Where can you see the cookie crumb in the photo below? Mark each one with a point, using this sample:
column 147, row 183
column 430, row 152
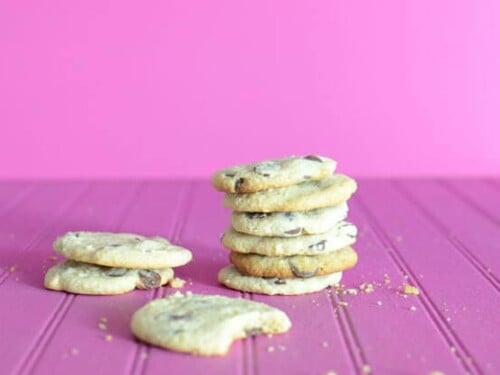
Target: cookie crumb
column 448, row 319
column 103, row 319
column 102, row 326
column 352, row 291
column 343, row 303
column 387, row 280
column 144, row 355
column 189, row 293
column 453, row 349
column 12, row 269
column 410, row 290
column 379, row 303
column 366, row 287
column 399, row 238
column 53, row 258
column 325, row 344
column 108, row 338
column 436, row 373
column 74, row 351
column 270, row 349
column 331, row 372
column 177, row 282
column 367, row 369
column 282, row 348
column 413, row 308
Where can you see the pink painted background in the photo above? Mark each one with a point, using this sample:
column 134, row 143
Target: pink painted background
column 179, row 88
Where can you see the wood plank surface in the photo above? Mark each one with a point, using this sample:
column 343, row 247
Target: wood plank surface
column 442, row 236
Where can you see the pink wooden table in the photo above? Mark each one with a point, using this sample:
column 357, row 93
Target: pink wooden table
column 442, row 236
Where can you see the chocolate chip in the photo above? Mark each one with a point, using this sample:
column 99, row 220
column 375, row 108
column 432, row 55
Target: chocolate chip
column 302, row 274
column 230, row 175
column 306, row 177
column 115, row 245
column 289, row 215
column 320, row 246
column 77, row 234
column 256, row 215
column 350, row 235
column 180, row 316
column 293, row 232
column 253, row 331
column 116, row 272
column 149, row 279
column 313, row 158
column 280, row 282
column 238, row 183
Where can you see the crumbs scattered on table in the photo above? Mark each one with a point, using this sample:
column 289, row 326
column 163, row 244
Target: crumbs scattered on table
column 144, row 355
column 453, row 349
column 413, row 308
column 108, row 338
column 177, row 282
column 103, row 319
column 410, row 290
column 102, row 326
column 331, row 372
column 325, row 344
column 12, row 268
column 343, row 303
column 387, row 280
column 367, row 369
column 436, row 373
column 379, row 303
column 282, row 348
column 366, row 288
column 53, row 258
column 270, row 349
column 74, row 351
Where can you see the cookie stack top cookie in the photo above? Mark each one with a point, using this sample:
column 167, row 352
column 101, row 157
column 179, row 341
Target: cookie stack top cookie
column 272, row 174
column 287, row 233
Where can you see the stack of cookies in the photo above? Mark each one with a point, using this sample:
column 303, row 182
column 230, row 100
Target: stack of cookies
column 288, row 234
column 113, row 263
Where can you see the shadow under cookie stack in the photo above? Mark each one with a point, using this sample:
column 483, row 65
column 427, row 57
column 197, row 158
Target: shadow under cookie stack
column 288, row 235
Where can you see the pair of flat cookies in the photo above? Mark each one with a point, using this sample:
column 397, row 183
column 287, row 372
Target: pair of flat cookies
column 287, row 233
column 113, row 263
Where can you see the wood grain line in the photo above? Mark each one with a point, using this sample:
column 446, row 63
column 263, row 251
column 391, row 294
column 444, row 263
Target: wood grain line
column 457, row 244
column 46, row 334
column 39, row 235
column 347, row 337
column 452, row 339
column 469, row 202
column 141, row 357
column 19, row 197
